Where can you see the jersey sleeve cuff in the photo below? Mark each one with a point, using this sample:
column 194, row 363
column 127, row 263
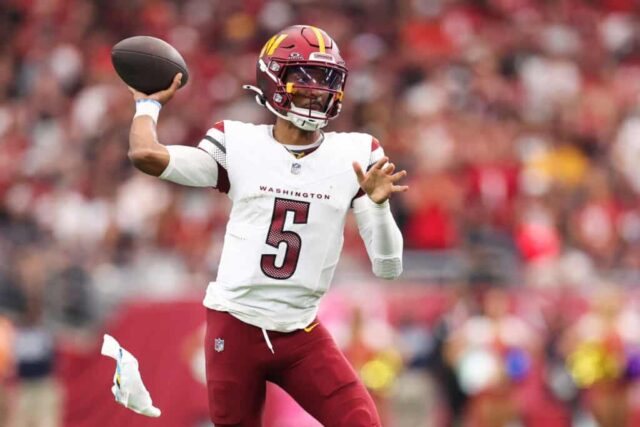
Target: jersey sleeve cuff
column 384, row 206
column 167, row 171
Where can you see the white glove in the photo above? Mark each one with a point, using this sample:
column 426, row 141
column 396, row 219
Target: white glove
column 128, row 388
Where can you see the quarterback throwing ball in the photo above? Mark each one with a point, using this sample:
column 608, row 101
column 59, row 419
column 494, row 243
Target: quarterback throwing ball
column 292, row 185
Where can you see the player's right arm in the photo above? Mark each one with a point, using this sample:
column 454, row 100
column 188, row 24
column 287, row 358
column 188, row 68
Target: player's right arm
column 145, row 152
column 197, row 167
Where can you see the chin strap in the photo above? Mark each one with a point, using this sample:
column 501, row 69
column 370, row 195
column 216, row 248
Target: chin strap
column 308, row 124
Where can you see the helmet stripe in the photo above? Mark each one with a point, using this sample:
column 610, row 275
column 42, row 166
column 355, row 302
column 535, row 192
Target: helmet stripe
column 267, row 45
column 320, row 38
column 276, row 43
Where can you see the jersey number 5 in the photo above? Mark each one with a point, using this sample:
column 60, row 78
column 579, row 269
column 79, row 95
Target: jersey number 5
column 291, row 239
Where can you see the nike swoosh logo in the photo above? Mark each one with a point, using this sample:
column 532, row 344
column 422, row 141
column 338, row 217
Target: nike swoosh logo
column 311, row 328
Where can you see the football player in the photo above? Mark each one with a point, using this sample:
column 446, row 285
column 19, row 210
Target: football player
column 291, row 185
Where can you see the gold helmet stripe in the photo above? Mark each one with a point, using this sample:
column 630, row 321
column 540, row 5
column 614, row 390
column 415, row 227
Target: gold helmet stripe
column 266, row 46
column 320, row 38
column 275, row 44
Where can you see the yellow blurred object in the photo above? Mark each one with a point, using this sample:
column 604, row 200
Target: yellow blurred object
column 565, row 164
column 591, row 362
column 240, row 26
column 379, row 373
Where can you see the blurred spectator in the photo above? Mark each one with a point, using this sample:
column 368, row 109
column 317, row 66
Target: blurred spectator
column 603, row 354
column 37, row 400
column 491, row 354
column 376, row 362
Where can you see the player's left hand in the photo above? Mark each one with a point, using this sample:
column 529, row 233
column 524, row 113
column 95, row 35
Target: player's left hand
column 379, row 182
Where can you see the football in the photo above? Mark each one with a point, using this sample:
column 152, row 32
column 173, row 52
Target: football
column 148, row 64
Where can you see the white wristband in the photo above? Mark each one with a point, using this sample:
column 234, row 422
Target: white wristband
column 148, row 107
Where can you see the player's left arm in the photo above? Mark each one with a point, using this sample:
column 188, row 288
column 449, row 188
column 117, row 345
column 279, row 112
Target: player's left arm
column 376, row 224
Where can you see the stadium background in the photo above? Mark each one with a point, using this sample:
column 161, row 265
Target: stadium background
column 519, row 124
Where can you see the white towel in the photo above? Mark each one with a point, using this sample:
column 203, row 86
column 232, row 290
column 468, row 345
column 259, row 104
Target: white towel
column 128, row 388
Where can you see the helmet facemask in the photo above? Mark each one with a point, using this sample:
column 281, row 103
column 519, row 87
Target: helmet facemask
column 314, row 93
column 307, row 95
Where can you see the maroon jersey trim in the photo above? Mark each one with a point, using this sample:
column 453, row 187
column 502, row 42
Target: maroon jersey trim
column 223, row 180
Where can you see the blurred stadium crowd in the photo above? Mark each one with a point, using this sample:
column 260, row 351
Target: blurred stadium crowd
column 519, row 124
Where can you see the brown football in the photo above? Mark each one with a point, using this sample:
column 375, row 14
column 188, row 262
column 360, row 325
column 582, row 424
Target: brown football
column 148, row 64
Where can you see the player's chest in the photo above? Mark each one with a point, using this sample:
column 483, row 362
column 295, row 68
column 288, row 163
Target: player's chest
column 318, row 177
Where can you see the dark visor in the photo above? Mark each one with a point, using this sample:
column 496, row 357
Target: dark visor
column 314, row 76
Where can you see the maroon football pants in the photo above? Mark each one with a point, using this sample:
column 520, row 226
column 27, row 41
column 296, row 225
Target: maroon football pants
column 307, row 365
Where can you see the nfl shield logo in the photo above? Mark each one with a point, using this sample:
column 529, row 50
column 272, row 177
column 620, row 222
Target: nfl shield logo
column 218, row 345
column 295, row 168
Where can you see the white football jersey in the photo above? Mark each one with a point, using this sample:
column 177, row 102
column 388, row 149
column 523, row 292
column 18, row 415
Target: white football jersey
column 285, row 231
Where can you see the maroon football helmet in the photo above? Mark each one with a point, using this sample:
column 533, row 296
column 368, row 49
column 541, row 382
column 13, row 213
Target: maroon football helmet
column 301, row 60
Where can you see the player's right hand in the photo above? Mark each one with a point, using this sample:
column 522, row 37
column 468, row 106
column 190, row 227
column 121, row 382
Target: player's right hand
column 163, row 96
column 379, row 182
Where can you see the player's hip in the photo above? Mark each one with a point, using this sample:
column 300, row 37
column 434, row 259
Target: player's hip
column 231, row 340
column 278, row 312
